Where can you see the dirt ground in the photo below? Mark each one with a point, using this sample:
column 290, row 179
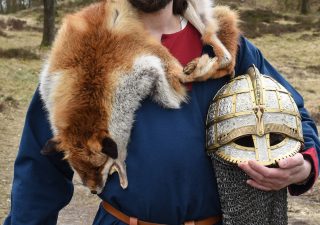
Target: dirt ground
column 295, row 55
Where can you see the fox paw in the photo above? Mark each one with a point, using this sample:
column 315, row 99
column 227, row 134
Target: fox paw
column 204, row 68
column 201, row 68
column 190, row 67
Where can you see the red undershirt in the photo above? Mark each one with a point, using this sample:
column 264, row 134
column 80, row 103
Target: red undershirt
column 185, row 45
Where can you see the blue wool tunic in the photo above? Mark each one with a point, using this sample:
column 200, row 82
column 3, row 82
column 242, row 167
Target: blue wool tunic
column 171, row 179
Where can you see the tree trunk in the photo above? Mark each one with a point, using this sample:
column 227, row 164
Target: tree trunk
column 48, row 22
column 305, row 6
column 1, row 7
column 8, row 4
column 12, row 6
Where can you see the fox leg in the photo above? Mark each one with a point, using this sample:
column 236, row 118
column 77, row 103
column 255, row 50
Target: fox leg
column 169, row 90
column 222, row 34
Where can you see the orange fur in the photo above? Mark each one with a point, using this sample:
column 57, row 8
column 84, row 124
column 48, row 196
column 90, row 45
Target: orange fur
column 93, row 50
column 228, row 32
column 87, row 51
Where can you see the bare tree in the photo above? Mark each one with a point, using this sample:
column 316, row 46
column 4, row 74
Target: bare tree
column 305, row 6
column 1, row 7
column 48, row 22
column 11, row 6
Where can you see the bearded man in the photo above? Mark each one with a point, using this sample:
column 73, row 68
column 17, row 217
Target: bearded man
column 171, row 178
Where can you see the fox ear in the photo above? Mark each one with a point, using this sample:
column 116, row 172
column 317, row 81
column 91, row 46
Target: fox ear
column 109, row 147
column 50, row 147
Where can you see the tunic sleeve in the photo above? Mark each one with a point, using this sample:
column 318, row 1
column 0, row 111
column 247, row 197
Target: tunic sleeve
column 249, row 54
column 42, row 184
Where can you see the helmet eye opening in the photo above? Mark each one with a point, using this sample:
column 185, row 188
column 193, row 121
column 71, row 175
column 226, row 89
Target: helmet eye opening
column 245, row 141
column 276, row 138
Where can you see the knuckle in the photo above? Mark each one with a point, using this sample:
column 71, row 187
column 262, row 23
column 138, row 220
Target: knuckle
column 298, row 159
column 268, row 174
column 260, row 179
column 299, row 156
column 286, row 177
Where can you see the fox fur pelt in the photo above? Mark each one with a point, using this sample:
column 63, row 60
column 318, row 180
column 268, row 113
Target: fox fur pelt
column 102, row 65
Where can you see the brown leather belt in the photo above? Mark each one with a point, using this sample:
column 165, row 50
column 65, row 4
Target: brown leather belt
column 134, row 221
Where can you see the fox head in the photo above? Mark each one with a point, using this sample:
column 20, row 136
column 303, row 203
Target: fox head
column 87, row 158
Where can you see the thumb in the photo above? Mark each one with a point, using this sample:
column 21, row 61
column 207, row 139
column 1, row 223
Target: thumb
column 294, row 161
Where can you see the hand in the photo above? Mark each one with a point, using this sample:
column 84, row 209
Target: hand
column 291, row 170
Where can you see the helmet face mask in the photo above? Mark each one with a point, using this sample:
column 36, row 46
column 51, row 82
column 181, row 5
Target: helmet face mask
column 253, row 117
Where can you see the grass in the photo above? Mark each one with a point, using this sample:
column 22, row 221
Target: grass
column 19, row 75
column 21, row 39
column 18, row 78
column 272, row 5
column 297, row 50
column 296, row 56
column 18, row 53
column 259, row 22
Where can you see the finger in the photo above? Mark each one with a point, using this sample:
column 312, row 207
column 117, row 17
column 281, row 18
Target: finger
column 265, row 171
column 250, row 172
column 274, row 175
column 294, row 161
column 262, row 174
column 257, row 185
column 268, row 185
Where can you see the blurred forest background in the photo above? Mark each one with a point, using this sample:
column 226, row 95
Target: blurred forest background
column 287, row 32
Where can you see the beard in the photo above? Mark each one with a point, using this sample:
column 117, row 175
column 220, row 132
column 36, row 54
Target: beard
column 149, row 6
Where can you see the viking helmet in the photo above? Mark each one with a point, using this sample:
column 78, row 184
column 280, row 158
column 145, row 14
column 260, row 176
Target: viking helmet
column 253, row 117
